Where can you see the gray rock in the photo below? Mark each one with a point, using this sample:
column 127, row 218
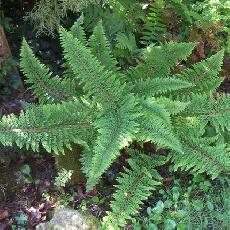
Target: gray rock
column 67, row 219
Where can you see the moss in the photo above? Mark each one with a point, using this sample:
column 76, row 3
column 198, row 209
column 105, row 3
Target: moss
column 91, row 220
column 71, row 161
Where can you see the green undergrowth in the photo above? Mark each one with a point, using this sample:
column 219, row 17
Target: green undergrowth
column 185, row 205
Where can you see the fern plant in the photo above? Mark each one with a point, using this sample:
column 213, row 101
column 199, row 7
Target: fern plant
column 126, row 50
column 104, row 108
column 134, row 186
column 155, row 28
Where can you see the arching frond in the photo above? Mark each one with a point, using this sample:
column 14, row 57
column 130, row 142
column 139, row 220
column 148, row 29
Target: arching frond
column 46, row 88
column 53, row 126
column 204, row 75
column 101, row 49
column 117, row 105
column 159, row 86
column 158, row 61
column 134, row 186
column 156, row 126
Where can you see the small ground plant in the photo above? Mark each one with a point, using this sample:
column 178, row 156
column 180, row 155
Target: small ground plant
column 193, row 204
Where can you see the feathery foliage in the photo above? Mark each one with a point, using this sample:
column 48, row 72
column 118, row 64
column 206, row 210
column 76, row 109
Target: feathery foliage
column 51, row 88
column 113, row 108
column 158, row 61
column 134, row 186
column 46, row 15
column 46, row 125
column 101, row 49
column 154, row 29
column 203, row 75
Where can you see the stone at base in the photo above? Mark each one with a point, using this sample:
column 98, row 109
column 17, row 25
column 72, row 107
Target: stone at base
column 67, row 219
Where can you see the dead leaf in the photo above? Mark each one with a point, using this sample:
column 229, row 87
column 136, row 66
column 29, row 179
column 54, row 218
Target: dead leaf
column 4, row 215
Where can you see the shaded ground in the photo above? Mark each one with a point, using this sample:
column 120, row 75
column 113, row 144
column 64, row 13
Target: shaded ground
column 28, row 199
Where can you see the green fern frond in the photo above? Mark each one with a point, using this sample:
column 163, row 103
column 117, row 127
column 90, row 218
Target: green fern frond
column 172, row 106
column 93, row 14
column 124, row 41
column 101, row 49
column 156, row 126
column 155, row 29
column 158, row 86
column 164, row 58
column 202, row 155
column 116, row 130
column 158, row 61
column 53, row 126
column 46, row 88
column 100, row 83
column 204, row 75
column 126, row 50
column 134, row 186
column 77, row 30
column 210, row 109
column 116, row 124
